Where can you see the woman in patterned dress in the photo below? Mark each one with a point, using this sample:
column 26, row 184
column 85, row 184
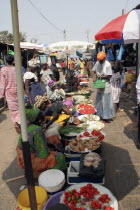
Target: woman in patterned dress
column 42, row 159
column 8, row 88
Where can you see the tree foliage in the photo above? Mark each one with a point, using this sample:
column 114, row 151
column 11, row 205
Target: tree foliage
column 8, row 38
column 34, row 40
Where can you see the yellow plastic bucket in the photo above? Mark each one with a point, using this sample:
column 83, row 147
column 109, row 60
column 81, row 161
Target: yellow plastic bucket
column 41, row 197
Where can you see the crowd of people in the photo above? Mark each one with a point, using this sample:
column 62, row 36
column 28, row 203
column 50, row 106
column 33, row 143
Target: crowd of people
column 47, row 107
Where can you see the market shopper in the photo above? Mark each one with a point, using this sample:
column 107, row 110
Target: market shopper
column 46, row 76
column 104, row 100
column 41, row 158
column 71, row 81
column 34, row 61
column 82, row 66
column 8, row 88
column 32, row 84
column 63, row 64
column 116, row 86
column 71, row 64
column 89, row 67
column 55, row 71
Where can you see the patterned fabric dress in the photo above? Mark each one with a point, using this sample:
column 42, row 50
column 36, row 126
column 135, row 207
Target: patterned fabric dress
column 8, row 89
column 116, row 87
column 42, row 159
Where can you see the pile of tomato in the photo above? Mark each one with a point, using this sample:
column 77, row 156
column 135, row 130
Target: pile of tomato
column 93, row 133
column 108, row 208
column 89, row 191
column 98, row 134
column 72, row 198
column 86, row 194
column 86, row 109
column 104, row 198
column 95, row 204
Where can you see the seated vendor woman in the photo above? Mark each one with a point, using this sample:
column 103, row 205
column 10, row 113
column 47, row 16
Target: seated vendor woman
column 52, row 112
column 42, row 159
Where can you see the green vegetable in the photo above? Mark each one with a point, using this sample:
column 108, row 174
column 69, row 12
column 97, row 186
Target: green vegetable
column 69, row 199
column 85, row 125
column 70, row 129
column 84, row 119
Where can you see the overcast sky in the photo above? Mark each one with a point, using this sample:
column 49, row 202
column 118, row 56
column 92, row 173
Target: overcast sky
column 78, row 17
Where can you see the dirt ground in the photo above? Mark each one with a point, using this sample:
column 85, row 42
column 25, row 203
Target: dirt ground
column 118, row 149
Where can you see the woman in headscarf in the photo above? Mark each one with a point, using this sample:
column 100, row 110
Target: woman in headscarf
column 42, row 159
column 104, row 100
column 32, row 84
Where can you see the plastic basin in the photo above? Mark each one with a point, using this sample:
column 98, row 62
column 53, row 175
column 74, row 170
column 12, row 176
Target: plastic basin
column 23, row 198
column 54, row 199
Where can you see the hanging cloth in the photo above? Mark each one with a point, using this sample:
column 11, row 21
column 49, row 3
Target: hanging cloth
column 121, row 52
column 110, row 56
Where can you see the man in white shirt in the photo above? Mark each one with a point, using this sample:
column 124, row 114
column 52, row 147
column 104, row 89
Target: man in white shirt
column 104, row 101
column 34, row 61
column 138, row 101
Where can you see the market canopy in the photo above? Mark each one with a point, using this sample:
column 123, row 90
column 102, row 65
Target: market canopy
column 125, row 28
column 70, row 45
column 29, row 45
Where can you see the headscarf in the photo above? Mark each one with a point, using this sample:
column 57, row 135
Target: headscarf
column 31, row 114
column 40, row 99
column 101, row 56
column 50, row 82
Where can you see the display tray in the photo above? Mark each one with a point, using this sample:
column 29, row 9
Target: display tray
column 69, row 151
column 86, row 117
column 71, row 134
column 113, row 202
column 92, row 125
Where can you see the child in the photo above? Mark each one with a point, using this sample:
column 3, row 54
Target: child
column 116, row 86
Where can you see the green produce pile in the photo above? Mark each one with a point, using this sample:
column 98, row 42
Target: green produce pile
column 70, row 129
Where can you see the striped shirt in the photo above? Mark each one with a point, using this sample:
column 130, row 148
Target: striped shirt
column 8, row 87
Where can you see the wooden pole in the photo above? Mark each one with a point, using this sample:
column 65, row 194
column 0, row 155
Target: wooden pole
column 23, row 121
column 122, row 11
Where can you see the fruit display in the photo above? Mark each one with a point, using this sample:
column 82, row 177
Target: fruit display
column 84, row 145
column 86, row 109
column 87, row 196
column 94, row 133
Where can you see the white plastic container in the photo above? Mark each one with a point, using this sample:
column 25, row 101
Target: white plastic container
column 52, row 180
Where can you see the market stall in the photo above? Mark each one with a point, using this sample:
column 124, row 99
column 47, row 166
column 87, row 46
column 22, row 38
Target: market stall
column 81, row 135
